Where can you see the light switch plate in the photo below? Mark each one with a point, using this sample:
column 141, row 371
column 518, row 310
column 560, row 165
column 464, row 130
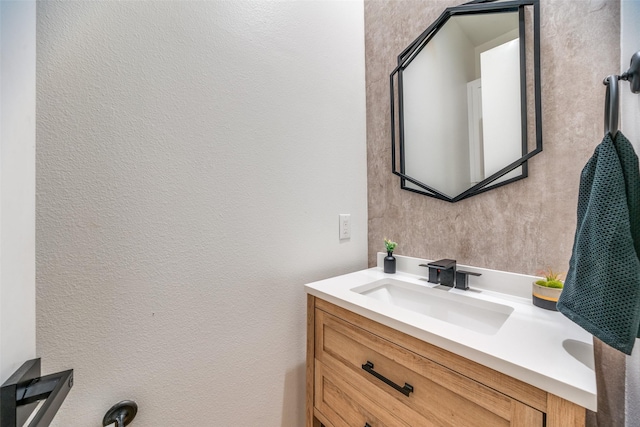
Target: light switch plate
column 345, row 226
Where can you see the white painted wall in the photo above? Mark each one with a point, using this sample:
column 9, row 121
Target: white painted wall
column 501, row 39
column 435, row 112
column 501, row 108
column 629, row 44
column 630, row 126
column 193, row 158
column 17, row 184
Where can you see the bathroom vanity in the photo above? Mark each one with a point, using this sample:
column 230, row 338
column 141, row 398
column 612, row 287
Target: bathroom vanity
column 395, row 350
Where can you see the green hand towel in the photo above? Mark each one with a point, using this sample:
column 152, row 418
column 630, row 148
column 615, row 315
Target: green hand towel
column 602, row 289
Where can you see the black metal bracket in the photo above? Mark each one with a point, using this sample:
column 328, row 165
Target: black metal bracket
column 21, row 394
column 632, row 75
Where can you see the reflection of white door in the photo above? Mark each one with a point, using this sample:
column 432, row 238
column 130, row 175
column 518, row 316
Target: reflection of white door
column 17, row 184
column 501, row 118
column 476, row 149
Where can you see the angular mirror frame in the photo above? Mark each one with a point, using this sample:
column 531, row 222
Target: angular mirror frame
column 405, row 58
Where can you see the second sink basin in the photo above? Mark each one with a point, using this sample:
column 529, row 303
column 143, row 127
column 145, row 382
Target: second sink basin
column 477, row 315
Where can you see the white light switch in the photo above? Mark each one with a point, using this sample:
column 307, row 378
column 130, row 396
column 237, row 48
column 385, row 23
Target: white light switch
column 345, row 226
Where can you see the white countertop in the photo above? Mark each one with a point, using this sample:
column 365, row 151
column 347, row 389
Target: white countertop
column 528, row 346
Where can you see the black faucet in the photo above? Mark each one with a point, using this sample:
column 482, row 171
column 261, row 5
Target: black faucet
column 444, row 272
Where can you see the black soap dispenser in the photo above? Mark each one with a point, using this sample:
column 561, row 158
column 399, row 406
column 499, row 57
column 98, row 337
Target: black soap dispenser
column 390, row 263
column 390, row 260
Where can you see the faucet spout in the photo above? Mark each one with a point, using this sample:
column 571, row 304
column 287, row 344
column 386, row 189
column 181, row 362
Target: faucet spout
column 442, row 271
column 445, row 272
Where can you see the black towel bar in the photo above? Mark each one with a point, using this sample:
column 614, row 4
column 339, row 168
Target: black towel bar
column 612, row 102
column 611, row 105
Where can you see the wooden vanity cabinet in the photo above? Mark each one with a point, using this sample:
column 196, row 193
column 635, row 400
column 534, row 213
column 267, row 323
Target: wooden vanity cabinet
column 362, row 373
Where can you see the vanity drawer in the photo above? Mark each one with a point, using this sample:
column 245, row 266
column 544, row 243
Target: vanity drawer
column 439, row 395
column 341, row 405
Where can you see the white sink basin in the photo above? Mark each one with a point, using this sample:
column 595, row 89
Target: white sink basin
column 582, row 351
column 474, row 314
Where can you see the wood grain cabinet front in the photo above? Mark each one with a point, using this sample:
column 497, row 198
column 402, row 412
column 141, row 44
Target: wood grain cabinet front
column 360, row 372
column 340, row 404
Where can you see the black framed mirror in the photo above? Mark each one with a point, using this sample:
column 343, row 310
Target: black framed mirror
column 465, row 100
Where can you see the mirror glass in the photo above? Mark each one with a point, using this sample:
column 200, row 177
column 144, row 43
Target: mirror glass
column 467, row 93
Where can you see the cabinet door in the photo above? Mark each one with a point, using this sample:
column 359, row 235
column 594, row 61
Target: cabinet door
column 440, row 397
column 525, row 416
column 342, row 405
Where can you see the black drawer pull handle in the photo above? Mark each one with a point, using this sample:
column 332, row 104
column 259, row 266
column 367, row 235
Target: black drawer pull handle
column 366, row 425
column 408, row 388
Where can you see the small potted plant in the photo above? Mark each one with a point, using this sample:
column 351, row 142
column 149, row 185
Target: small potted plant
column 390, row 260
column 545, row 292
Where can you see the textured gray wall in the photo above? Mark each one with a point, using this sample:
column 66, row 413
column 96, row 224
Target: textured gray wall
column 524, row 226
